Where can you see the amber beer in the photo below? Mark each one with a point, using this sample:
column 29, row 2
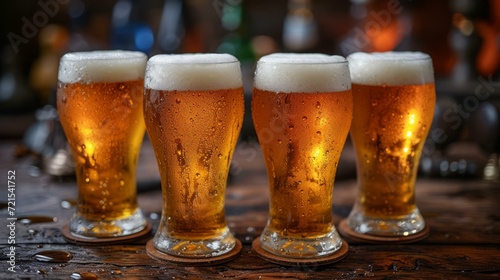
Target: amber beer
column 302, row 110
column 394, row 99
column 99, row 101
column 194, row 111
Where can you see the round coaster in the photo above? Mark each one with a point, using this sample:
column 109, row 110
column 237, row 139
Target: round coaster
column 86, row 240
column 352, row 235
column 158, row 255
column 300, row 262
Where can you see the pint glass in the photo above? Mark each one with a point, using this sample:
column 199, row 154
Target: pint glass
column 193, row 105
column 394, row 101
column 99, row 101
column 302, row 110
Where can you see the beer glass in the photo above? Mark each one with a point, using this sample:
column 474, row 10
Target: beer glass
column 394, row 99
column 193, row 105
column 99, row 101
column 302, row 110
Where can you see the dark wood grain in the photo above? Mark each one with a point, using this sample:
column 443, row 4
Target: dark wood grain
column 463, row 215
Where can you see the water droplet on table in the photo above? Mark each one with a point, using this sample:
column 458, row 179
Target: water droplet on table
column 56, row 256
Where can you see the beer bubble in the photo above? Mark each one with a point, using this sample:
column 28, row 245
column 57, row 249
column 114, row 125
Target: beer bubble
column 122, row 182
column 87, row 180
column 291, row 127
column 304, row 118
column 318, row 133
column 198, row 175
column 318, row 105
column 279, row 141
column 178, row 100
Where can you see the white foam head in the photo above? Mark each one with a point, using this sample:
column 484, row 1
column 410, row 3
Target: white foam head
column 391, row 68
column 102, row 66
column 193, row 72
column 292, row 72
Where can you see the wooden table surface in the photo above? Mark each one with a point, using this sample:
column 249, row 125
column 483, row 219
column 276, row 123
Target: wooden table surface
column 463, row 215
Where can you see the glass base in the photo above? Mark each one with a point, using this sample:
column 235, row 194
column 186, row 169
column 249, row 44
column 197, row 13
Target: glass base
column 195, row 248
column 402, row 226
column 108, row 228
column 278, row 244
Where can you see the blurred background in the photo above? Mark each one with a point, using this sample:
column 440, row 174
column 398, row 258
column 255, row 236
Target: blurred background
column 462, row 37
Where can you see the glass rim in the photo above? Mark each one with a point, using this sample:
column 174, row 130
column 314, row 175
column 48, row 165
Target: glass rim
column 302, row 59
column 397, row 56
column 103, row 55
column 157, row 59
column 304, row 62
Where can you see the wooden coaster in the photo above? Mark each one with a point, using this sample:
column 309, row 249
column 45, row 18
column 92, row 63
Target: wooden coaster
column 199, row 261
column 86, row 240
column 300, row 262
column 354, row 236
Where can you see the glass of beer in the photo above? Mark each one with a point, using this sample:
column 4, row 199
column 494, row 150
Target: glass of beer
column 394, row 99
column 193, row 107
column 302, row 110
column 99, row 101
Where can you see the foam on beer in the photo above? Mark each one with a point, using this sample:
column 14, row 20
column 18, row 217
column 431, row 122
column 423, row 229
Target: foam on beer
column 102, row 66
column 292, row 72
column 207, row 71
column 391, row 68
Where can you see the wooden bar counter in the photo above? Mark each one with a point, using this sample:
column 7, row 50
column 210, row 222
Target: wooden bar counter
column 463, row 215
